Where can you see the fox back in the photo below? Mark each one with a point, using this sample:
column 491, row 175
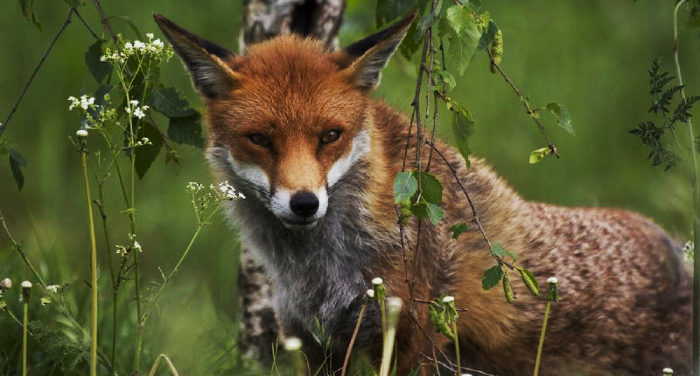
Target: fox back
column 296, row 129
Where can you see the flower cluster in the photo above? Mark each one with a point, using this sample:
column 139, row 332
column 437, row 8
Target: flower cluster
column 228, row 192
column 83, row 102
column 133, row 109
column 154, row 48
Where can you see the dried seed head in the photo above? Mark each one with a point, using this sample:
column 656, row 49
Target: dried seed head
column 667, row 371
column 377, row 281
column 448, row 299
column 370, row 293
column 26, row 285
column 81, row 133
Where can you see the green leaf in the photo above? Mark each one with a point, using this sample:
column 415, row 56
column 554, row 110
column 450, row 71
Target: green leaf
column 458, row 230
column 146, row 154
column 536, row 156
column 169, row 102
column 27, row 7
column 431, row 189
column 411, row 42
column 530, row 281
column 186, row 130
column 498, row 250
column 562, row 115
column 473, row 4
column 693, row 21
column 445, row 78
column 492, row 277
column 420, row 210
column 405, row 186
column 462, row 34
column 97, row 68
column 462, row 128
column 435, row 213
column 16, row 164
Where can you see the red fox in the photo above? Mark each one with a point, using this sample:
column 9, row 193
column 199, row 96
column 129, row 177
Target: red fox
column 296, row 129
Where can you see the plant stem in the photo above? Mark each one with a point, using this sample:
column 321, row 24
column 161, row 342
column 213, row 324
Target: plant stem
column 539, row 347
column 459, row 363
column 393, row 309
column 171, row 367
column 20, row 249
column 352, row 339
column 696, row 201
column 25, row 330
column 93, row 268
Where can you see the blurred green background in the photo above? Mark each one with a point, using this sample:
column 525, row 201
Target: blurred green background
column 590, row 56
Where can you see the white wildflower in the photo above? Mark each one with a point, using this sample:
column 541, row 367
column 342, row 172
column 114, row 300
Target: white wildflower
column 448, row 299
column 137, row 246
column 103, row 58
column 292, row 344
column 45, row 301
column 26, row 285
column 134, row 102
column 370, row 293
column 149, row 35
column 194, row 187
column 553, row 280
column 158, row 44
column 128, row 46
column 377, row 281
column 228, row 191
column 81, row 133
column 53, row 288
column 138, row 112
column 121, row 250
column 139, row 45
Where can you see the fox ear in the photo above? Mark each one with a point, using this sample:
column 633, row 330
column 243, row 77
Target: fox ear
column 372, row 53
column 205, row 60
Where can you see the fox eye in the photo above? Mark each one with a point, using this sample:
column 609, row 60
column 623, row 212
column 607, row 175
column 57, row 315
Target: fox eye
column 330, row 136
column 260, row 140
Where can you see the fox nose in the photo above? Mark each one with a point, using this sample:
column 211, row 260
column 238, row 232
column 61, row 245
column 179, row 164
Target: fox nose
column 304, row 204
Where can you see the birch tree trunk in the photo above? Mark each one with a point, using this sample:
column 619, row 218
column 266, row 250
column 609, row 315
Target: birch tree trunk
column 265, row 19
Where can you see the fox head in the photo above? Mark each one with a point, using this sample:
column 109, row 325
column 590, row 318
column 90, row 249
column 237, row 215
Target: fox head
column 287, row 120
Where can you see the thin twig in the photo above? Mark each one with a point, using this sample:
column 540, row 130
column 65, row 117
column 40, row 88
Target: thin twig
column 105, row 21
column 352, row 339
column 525, row 102
column 87, row 26
column 464, row 190
column 36, row 70
column 452, row 368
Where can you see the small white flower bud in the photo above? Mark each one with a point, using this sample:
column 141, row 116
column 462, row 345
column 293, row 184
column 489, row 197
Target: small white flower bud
column 26, row 285
column 667, row 371
column 81, row 133
column 53, row 288
column 552, row 280
column 377, row 281
column 448, row 299
column 292, row 344
column 6, row 284
column 370, row 293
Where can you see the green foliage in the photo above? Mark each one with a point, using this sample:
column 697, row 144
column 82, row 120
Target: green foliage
column 389, row 10
column 561, row 113
column 462, row 128
column 529, row 281
column 492, row 277
column 423, row 204
column 653, row 136
column 443, row 313
column 536, row 156
column 405, row 186
column 497, row 250
column 27, row 7
column 146, row 155
column 462, row 35
column 458, row 230
column 99, row 69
